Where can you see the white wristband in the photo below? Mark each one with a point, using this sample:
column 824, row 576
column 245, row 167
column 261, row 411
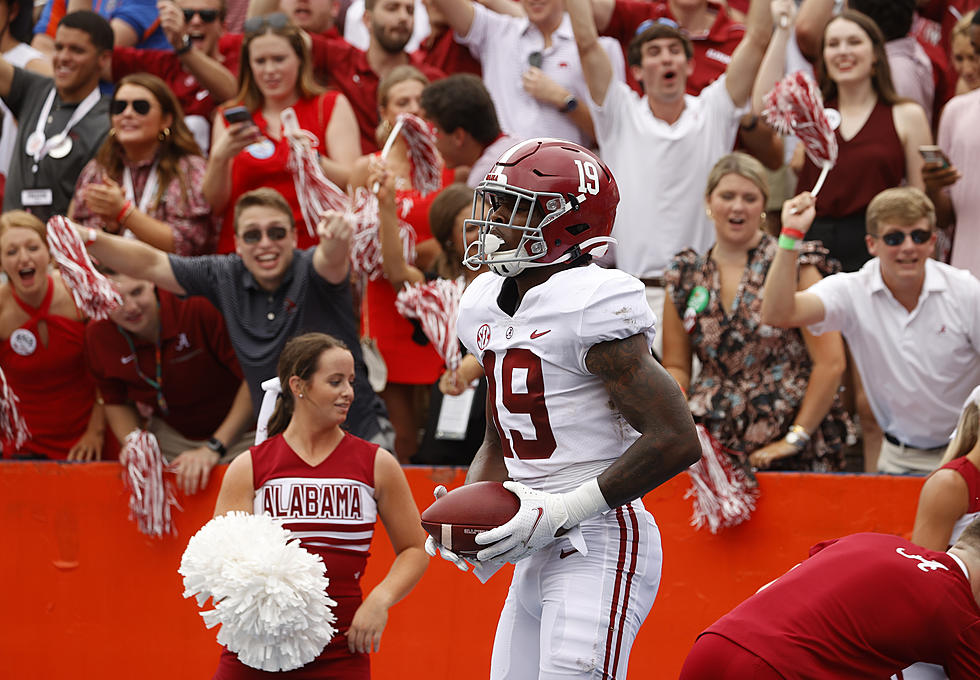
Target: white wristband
column 584, row 502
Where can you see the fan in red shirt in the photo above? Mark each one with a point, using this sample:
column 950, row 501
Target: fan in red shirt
column 863, row 606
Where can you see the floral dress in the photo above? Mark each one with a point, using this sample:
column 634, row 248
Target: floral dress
column 753, row 376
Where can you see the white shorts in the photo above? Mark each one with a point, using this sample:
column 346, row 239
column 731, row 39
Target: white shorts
column 569, row 615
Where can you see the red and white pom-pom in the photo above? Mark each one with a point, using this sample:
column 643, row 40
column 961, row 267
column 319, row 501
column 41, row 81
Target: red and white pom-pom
column 365, row 250
column 422, row 153
column 795, row 107
column 723, row 495
column 150, row 495
column 93, row 293
column 436, row 305
column 315, row 192
column 13, row 428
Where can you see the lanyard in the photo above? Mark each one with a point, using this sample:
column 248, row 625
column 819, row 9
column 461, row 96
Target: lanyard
column 149, row 189
column 42, row 145
column 155, row 384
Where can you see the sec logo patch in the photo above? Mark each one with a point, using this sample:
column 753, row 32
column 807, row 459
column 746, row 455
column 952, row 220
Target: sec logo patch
column 483, row 336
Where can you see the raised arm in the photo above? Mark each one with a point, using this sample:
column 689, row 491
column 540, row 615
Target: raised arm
column 209, row 72
column 332, row 257
column 596, row 66
column 774, row 62
column 396, row 269
column 398, row 513
column 132, row 258
column 741, row 71
column 458, row 14
column 782, row 304
column 811, row 21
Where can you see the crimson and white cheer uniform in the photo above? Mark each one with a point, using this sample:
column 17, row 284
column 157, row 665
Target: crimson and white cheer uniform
column 567, row 614
column 332, row 509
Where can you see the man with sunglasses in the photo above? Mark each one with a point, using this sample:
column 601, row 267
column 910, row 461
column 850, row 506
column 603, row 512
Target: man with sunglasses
column 912, row 323
column 201, row 69
column 62, row 121
column 268, row 292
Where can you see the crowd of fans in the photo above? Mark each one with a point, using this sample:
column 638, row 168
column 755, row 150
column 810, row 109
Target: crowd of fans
column 163, row 128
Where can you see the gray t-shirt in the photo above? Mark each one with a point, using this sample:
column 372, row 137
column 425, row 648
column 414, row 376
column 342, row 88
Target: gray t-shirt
column 260, row 322
column 28, row 91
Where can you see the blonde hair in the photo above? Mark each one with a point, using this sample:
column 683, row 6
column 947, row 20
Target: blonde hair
column 397, row 75
column 962, row 27
column 966, row 434
column 743, row 165
column 902, row 205
column 299, row 357
column 13, row 219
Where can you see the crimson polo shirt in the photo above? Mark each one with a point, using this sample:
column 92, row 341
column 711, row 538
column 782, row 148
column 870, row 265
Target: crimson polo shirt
column 194, row 99
column 712, row 51
column 201, row 374
column 444, row 53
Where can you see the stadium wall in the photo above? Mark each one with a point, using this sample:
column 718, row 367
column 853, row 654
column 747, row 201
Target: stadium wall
column 85, row 595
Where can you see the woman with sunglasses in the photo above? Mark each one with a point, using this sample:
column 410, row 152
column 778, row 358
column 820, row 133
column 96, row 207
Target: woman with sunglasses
column 146, row 179
column 308, row 452
column 276, row 74
column 413, row 364
column 767, row 395
column 42, row 337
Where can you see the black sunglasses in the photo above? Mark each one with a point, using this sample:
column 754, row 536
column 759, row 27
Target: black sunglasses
column 207, row 15
column 253, row 236
column 275, row 21
column 897, row 238
column 140, row 106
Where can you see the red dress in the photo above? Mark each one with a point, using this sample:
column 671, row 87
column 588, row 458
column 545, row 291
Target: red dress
column 408, row 361
column 249, row 170
column 55, row 389
column 333, row 505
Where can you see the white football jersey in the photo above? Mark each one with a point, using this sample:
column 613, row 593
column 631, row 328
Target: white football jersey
column 557, row 424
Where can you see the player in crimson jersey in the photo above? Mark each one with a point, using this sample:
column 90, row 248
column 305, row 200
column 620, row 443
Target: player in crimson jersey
column 579, row 415
column 329, row 487
column 863, row 606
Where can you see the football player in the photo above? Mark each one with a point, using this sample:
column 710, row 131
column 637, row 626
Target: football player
column 581, row 420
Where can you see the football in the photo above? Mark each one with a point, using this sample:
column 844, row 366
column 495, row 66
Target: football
column 455, row 519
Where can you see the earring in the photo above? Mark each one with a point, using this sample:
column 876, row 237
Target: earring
column 763, row 216
column 708, row 212
column 163, row 134
column 300, row 395
column 112, row 132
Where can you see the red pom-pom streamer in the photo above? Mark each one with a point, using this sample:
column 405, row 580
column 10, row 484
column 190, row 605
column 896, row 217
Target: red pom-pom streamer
column 13, row 428
column 422, row 153
column 150, row 495
column 795, row 107
column 315, row 192
column 365, row 243
column 93, row 293
column 436, row 305
column 723, row 494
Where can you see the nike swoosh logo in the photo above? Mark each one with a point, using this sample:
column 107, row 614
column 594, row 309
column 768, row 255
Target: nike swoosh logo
column 535, row 525
column 538, row 334
column 565, row 553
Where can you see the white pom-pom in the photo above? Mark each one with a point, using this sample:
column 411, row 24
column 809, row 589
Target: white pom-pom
column 723, row 495
column 269, row 593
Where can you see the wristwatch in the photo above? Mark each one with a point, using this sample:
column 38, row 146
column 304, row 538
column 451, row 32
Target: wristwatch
column 571, row 103
column 185, row 45
column 797, row 437
column 215, row 445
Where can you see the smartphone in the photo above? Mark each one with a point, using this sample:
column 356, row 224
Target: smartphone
column 933, row 154
column 237, row 114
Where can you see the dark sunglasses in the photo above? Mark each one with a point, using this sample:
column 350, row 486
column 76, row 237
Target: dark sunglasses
column 897, row 238
column 275, row 21
column 140, row 106
column 253, row 236
column 207, row 15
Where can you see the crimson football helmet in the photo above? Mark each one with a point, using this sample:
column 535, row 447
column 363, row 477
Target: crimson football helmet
column 562, row 201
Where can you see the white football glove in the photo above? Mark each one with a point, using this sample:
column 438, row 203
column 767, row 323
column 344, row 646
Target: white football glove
column 538, row 520
column 434, row 547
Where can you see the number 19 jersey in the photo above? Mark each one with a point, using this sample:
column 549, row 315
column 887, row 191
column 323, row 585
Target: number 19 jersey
column 557, row 424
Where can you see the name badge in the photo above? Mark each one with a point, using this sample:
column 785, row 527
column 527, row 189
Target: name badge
column 32, row 197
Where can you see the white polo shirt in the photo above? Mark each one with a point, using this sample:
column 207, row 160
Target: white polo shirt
column 661, row 170
column 503, row 45
column 917, row 367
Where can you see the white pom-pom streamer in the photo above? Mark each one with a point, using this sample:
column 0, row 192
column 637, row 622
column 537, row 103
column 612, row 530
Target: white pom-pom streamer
column 150, row 495
column 365, row 252
column 93, row 293
column 723, row 496
column 13, row 427
column 314, row 191
column 269, row 593
column 436, row 305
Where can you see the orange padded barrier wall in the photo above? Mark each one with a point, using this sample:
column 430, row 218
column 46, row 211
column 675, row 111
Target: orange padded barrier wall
column 86, row 596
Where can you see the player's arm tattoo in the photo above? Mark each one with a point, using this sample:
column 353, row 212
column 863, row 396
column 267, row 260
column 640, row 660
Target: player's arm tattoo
column 488, row 463
column 650, row 400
